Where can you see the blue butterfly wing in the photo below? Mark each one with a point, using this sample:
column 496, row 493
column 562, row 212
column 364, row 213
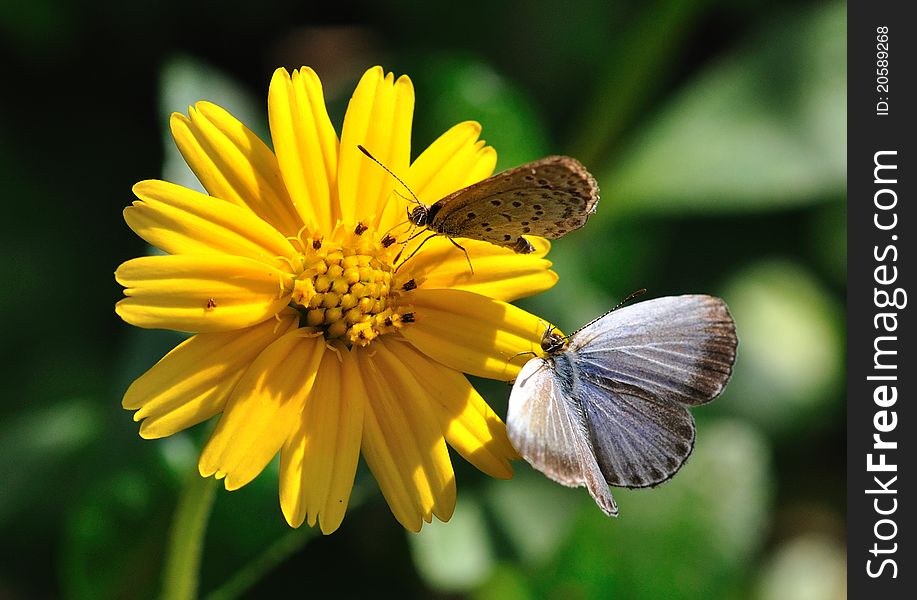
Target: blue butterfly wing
column 611, row 408
column 636, row 369
column 639, row 440
column 676, row 348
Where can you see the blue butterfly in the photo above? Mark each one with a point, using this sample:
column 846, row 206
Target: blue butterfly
column 607, row 406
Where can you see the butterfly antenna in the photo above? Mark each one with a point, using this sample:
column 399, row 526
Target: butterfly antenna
column 402, row 196
column 630, row 296
column 413, row 198
column 627, row 299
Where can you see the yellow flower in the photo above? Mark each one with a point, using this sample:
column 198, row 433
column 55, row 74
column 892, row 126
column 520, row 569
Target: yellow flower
column 307, row 338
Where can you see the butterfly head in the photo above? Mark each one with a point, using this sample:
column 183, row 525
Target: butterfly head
column 552, row 342
column 419, row 215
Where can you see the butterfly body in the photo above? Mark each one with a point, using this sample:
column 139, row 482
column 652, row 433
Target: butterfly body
column 548, row 198
column 607, row 405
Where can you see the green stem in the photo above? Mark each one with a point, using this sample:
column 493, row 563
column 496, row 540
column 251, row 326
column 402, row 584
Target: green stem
column 186, row 539
column 254, row 571
column 287, row 545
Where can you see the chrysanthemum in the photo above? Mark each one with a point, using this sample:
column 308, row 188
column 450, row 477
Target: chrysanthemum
column 307, row 338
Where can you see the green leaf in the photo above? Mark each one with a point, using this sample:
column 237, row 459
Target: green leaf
column 39, row 446
column 113, row 539
column 762, row 129
column 826, row 239
column 508, row 582
column 692, row 537
column 808, row 567
column 455, row 556
column 789, row 366
column 457, row 88
column 534, row 513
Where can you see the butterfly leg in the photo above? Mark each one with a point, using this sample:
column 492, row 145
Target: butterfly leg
column 456, row 244
column 433, row 235
column 523, row 246
column 523, row 353
column 394, row 227
column 404, row 244
column 411, row 236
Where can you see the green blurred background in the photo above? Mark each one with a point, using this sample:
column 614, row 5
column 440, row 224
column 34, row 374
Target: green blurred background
column 717, row 131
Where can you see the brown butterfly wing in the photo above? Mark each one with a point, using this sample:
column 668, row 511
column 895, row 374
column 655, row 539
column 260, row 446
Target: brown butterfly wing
column 548, row 198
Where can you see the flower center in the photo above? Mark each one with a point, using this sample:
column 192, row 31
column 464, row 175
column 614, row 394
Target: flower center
column 345, row 288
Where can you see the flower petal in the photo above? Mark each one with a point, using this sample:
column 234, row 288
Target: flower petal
column 403, row 444
column 470, row 426
column 191, row 383
column 306, row 144
column 232, row 163
column 200, row 293
column 379, row 118
column 453, row 161
column 181, row 221
column 472, row 333
column 498, row 272
column 263, row 409
column 319, row 460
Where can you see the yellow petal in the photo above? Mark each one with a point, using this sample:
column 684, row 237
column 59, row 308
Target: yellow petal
column 263, row 409
column 498, row 272
column 232, row 163
column 470, row 426
column 181, row 221
column 472, row 333
column 200, row 293
column 306, row 145
column 379, row 118
column 319, row 460
column 191, row 383
column 454, row 161
column 403, row 444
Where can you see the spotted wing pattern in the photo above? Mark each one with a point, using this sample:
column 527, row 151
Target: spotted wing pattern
column 548, row 198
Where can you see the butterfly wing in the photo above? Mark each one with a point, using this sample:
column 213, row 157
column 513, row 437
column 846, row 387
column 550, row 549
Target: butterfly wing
column 548, row 198
column 548, row 428
column 678, row 348
column 635, row 370
column 639, row 440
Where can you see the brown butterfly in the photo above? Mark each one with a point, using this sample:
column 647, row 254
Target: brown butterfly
column 549, row 198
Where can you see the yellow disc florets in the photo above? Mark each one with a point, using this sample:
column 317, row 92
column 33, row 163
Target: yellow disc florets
column 346, row 288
